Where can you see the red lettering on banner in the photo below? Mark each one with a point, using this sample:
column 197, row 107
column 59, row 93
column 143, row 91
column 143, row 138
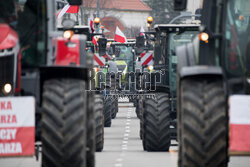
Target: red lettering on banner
column 14, row 119
column 9, row 106
column 3, row 119
column 2, row 105
column 8, row 119
column 5, row 105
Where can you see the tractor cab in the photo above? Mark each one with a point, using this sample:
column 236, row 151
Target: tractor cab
column 168, row 38
column 123, row 55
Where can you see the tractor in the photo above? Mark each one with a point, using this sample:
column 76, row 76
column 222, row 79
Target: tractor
column 123, row 56
column 10, row 53
column 56, row 71
column 158, row 102
column 144, row 51
column 122, row 67
column 214, row 66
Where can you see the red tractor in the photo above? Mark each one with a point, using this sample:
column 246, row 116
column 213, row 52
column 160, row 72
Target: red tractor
column 56, row 70
column 10, row 59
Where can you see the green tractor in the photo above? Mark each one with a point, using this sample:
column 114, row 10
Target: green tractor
column 210, row 69
column 158, row 103
column 124, row 58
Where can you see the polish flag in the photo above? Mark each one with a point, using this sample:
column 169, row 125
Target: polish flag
column 91, row 23
column 68, row 9
column 94, row 40
column 142, row 32
column 239, row 123
column 119, row 36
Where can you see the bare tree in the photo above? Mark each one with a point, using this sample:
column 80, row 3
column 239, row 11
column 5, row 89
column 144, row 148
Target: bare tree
column 162, row 10
column 89, row 5
column 132, row 32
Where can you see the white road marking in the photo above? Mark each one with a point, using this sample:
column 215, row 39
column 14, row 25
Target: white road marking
column 118, row 165
column 119, row 159
column 124, row 145
column 127, row 130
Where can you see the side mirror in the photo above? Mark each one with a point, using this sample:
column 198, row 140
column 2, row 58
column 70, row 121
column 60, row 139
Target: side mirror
column 140, row 42
column 180, row 5
column 75, row 2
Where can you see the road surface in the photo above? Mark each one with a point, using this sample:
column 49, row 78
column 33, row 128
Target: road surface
column 123, row 148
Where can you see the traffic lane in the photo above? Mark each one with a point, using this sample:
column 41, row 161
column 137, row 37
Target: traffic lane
column 123, row 147
column 20, row 162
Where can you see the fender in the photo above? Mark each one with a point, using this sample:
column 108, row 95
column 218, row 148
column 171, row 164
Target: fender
column 51, row 72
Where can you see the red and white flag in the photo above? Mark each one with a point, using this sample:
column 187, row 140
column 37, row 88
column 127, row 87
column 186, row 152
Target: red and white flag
column 68, row 9
column 119, row 36
column 94, row 40
column 91, row 23
column 239, row 123
column 142, row 31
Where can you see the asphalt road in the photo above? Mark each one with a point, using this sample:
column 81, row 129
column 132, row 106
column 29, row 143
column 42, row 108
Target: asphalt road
column 123, row 148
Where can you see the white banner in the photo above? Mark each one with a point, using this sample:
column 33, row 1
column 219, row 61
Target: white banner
column 239, row 109
column 17, row 112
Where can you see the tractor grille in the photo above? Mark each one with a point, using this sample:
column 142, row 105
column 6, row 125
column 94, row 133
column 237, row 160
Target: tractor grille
column 6, row 71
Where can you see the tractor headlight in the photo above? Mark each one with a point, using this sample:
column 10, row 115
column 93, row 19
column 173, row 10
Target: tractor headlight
column 7, row 88
column 150, row 67
column 68, row 34
column 106, row 66
column 96, row 69
column 204, row 37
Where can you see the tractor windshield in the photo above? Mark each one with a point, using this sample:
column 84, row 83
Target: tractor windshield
column 28, row 19
column 237, row 35
column 175, row 40
column 125, row 53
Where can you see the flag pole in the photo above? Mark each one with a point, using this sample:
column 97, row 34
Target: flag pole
column 98, row 13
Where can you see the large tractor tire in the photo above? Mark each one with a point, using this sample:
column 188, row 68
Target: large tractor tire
column 116, row 105
column 91, row 131
column 141, row 109
column 64, row 121
column 99, row 118
column 156, row 122
column 107, row 111
column 204, row 123
column 114, row 108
